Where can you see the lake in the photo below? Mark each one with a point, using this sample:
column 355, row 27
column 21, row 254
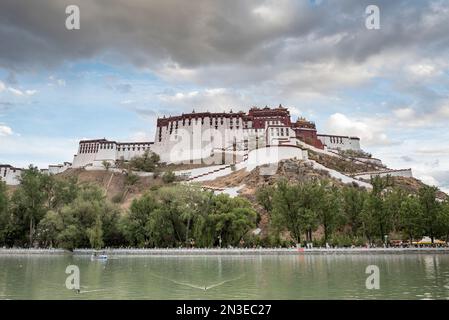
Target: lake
column 302, row 276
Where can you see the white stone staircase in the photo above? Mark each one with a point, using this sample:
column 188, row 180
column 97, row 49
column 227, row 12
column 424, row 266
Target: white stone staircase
column 219, row 172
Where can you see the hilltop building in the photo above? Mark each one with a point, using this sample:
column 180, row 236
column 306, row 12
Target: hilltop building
column 219, row 138
column 227, row 140
column 9, row 174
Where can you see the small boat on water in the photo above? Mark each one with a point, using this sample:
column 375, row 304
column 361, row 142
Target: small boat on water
column 99, row 256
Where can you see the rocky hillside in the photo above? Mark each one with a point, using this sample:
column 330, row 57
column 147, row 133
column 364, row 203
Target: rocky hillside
column 115, row 184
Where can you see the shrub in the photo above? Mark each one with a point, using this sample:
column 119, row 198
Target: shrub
column 169, row 177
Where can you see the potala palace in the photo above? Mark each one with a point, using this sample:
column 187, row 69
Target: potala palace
column 260, row 136
column 215, row 138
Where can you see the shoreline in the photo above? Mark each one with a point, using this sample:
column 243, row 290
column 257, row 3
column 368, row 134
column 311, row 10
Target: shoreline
column 216, row 251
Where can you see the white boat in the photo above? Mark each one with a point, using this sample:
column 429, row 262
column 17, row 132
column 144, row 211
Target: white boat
column 96, row 256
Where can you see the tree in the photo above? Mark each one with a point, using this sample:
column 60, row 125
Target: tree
column 70, row 237
column 329, row 211
column 295, row 208
column 30, row 199
column 66, row 191
column 146, row 162
column 136, row 225
column 376, row 208
column 89, row 219
column 410, row 217
column 430, row 210
column 95, row 234
column 49, row 228
column 106, row 164
column 264, row 196
column 392, row 203
column 286, row 211
column 194, row 201
column 169, row 177
column 353, row 199
column 233, row 218
column 4, row 212
column 443, row 218
column 131, row 178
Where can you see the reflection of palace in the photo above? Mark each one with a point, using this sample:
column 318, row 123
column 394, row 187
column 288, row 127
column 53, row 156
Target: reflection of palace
column 215, row 138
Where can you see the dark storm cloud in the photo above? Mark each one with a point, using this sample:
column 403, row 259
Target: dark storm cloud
column 202, row 33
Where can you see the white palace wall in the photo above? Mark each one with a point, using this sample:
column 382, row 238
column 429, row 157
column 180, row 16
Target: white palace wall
column 340, row 142
column 10, row 175
column 210, row 138
column 407, row 173
column 274, row 154
column 193, row 139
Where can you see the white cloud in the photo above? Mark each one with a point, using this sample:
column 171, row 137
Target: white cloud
column 56, row 81
column 427, row 157
column 30, row 92
column 210, row 99
column 127, row 101
column 20, row 93
column 370, row 131
column 409, row 118
column 5, row 130
column 41, row 151
column 404, row 113
column 422, row 70
column 318, row 79
column 275, row 13
column 173, row 72
column 16, row 92
column 2, row 86
column 141, row 136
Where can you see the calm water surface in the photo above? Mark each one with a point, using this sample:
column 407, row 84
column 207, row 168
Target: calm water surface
column 402, row 276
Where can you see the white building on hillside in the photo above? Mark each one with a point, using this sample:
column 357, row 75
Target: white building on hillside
column 213, row 138
column 9, row 174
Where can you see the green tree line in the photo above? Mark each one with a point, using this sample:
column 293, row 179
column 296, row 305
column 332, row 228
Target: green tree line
column 48, row 212
column 353, row 215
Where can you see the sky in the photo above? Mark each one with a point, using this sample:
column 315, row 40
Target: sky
column 132, row 61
